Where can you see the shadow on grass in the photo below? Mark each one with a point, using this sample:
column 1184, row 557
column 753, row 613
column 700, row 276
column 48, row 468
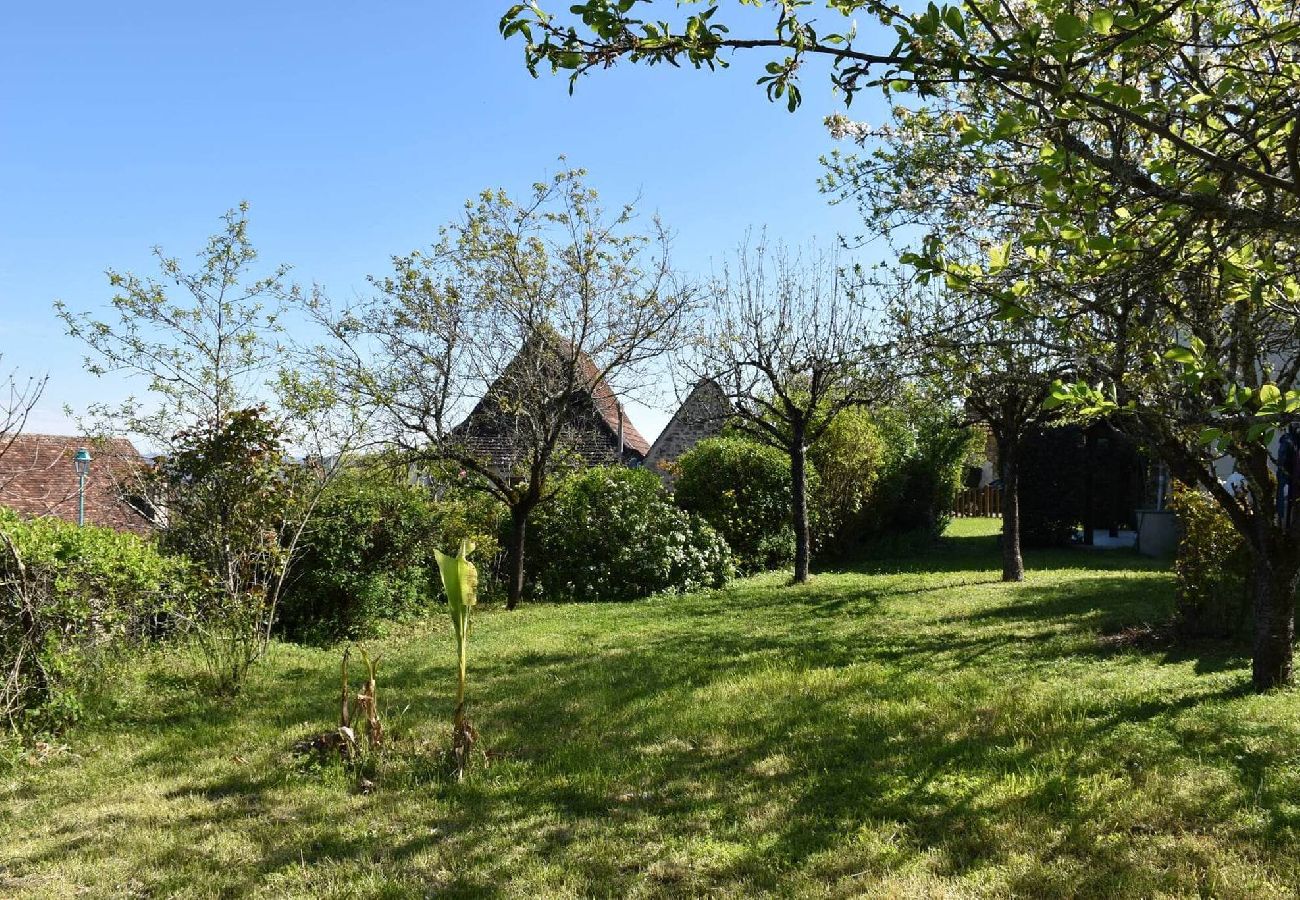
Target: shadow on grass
column 815, row 730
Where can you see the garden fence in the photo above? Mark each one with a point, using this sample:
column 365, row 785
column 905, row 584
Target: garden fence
column 985, row 501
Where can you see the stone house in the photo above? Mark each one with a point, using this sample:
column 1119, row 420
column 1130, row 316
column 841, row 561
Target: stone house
column 37, row 478
column 598, row 428
column 702, row 415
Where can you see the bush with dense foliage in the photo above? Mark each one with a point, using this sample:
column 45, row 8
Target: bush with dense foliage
column 1211, row 570
column 888, row 472
column 234, row 503
column 368, row 556
column 1052, row 476
column 742, row 488
column 70, row 599
column 928, row 445
column 850, row 461
column 612, row 533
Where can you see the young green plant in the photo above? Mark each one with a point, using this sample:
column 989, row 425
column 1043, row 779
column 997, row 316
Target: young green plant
column 460, row 581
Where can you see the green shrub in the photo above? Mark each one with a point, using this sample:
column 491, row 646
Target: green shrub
column 368, row 556
column 1211, row 570
column 1054, row 474
column 612, row 533
column 742, row 489
column 73, row 598
column 923, row 448
column 850, row 461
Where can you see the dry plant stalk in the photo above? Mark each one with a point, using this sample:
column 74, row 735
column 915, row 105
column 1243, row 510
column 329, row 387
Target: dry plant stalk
column 345, row 713
column 368, row 701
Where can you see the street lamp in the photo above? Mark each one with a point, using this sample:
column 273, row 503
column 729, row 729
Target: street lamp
column 81, row 462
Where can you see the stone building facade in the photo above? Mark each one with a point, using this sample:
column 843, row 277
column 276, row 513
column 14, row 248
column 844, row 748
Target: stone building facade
column 702, row 415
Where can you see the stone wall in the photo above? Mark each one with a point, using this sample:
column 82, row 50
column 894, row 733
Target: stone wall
column 701, row 416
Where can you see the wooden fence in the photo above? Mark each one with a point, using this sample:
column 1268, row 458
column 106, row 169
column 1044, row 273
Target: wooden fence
column 985, row 501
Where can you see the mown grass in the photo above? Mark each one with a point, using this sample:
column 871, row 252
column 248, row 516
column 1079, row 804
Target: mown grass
column 913, row 728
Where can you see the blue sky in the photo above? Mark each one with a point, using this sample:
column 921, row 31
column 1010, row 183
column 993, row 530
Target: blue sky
column 353, row 130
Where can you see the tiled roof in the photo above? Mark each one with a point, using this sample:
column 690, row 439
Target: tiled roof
column 37, row 479
column 595, row 427
column 610, row 409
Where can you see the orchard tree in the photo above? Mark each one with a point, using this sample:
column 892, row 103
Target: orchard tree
column 224, row 404
column 483, row 355
column 1169, row 317
column 789, row 344
column 1175, row 315
column 1165, row 198
column 1003, row 373
column 918, row 189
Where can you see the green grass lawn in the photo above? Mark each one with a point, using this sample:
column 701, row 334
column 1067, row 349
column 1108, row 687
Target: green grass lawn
column 912, row 728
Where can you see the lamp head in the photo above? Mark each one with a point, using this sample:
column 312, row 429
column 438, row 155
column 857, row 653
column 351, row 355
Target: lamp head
column 81, row 462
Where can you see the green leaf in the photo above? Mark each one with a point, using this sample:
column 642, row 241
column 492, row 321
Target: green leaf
column 952, row 16
column 1009, row 312
column 460, row 581
column 1260, row 431
column 1102, row 21
column 1069, row 27
column 998, row 256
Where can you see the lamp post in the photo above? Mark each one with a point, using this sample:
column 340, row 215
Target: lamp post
column 81, row 462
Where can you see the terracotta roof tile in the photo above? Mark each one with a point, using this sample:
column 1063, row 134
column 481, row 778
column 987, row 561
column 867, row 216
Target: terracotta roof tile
column 609, row 407
column 37, row 479
column 596, row 439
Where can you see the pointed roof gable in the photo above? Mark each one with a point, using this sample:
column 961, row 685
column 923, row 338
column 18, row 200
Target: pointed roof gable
column 702, row 414
column 611, row 417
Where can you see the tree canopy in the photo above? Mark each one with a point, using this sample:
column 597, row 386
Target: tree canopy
column 1133, row 181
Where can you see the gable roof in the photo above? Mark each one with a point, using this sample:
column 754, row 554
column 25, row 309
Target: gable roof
column 609, row 407
column 600, row 442
column 702, row 414
column 37, row 479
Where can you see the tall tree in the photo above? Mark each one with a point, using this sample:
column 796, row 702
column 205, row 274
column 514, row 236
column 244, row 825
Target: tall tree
column 789, row 344
column 493, row 352
column 224, row 403
column 920, row 192
column 1004, row 375
column 1143, row 298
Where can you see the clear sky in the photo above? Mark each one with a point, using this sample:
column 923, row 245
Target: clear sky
column 353, row 130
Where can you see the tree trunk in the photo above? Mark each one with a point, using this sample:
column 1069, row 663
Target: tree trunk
column 1274, row 587
column 1089, row 451
column 1013, row 565
column 799, row 502
column 515, row 555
